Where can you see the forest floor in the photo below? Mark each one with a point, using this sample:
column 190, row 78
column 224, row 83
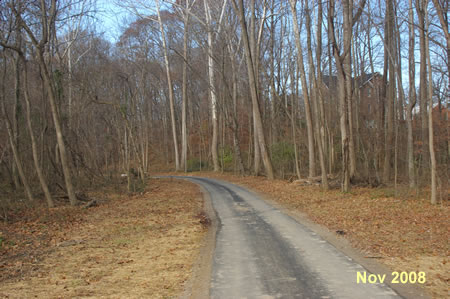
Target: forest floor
column 406, row 234
column 130, row 246
column 144, row 245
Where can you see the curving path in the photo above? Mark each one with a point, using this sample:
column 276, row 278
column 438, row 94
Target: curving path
column 261, row 252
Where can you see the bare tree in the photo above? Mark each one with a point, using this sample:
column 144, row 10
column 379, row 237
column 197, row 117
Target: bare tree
column 389, row 33
column 420, row 9
column 343, row 64
column 229, row 74
column 233, row 116
column 47, row 16
column 186, row 14
column 12, row 143
column 169, row 82
column 306, row 97
column 37, row 166
column 441, row 7
column 239, row 8
column 316, row 97
column 212, row 88
column 321, row 118
column 430, row 103
column 412, row 97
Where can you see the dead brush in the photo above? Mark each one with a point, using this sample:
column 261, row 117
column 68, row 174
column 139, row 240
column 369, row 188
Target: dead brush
column 203, row 219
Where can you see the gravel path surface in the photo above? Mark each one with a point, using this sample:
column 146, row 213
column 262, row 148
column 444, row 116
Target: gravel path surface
column 260, row 252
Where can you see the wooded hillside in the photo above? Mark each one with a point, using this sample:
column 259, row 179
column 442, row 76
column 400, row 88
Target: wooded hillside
column 353, row 92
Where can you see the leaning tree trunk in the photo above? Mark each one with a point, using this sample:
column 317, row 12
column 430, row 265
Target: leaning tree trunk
column 59, row 135
column 37, row 166
column 253, row 91
column 16, row 157
column 48, row 20
column 255, row 55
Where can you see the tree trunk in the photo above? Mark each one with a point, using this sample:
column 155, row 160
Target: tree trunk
column 184, row 91
column 316, row 96
column 169, row 83
column 343, row 64
column 389, row 33
column 47, row 22
column 323, row 121
column 412, row 98
column 41, row 177
column 253, row 90
column 255, row 55
column 15, row 121
column 59, row 134
column 341, row 88
column 273, row 114
column 420, row 6
column 443, row 19
column 430, row 111
column 236, row 143
column 257, row 152
column 347, row 69
column 293, row 126
column 212, row 89
column 301, row 67
column 351, row 139
column 69, row 95
column 17, row 161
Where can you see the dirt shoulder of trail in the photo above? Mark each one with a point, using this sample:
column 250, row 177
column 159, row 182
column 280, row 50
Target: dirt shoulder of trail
column 405, row 234
column 145, row 245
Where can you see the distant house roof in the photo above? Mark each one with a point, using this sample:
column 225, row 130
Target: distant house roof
column 366, row 78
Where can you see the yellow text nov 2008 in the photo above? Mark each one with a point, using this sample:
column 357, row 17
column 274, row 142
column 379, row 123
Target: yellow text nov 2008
column 397, row 277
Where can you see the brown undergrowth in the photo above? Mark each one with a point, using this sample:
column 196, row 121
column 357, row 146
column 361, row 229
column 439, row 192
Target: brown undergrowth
column 137, row 246
column 406, row 234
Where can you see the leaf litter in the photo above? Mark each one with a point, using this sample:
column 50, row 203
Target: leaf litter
column 138, row 246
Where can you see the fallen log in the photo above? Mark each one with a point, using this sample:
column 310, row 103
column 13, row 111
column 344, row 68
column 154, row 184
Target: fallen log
column 317, row 180
column 80, row 196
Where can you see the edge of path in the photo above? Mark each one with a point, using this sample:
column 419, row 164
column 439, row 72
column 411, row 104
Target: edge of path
column 199, row 283
column 408, row 291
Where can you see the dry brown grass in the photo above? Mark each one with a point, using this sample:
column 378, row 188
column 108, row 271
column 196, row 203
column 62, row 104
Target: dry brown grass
column 407, row 234
column 141, row 246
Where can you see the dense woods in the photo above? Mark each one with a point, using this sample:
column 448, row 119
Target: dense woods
column 345, row 92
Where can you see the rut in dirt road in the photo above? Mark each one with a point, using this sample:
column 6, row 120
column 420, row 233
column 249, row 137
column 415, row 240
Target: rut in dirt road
column 262, row 253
